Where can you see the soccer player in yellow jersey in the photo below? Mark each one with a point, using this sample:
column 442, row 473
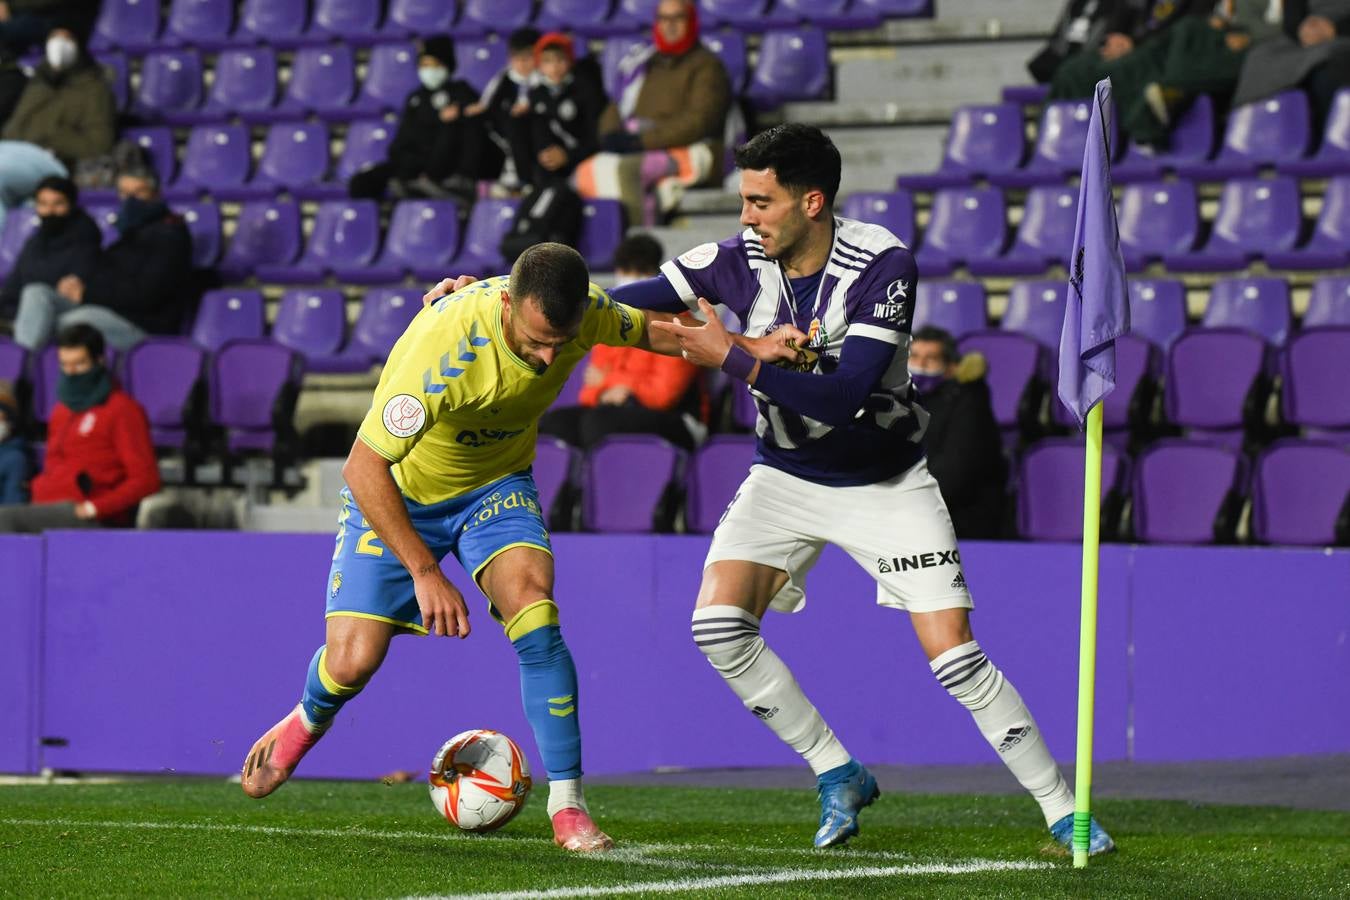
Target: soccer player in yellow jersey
column 441, row 465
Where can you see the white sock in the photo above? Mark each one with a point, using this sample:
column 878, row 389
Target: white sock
column 729, row 637
column 1003, row 719
column 565, row 794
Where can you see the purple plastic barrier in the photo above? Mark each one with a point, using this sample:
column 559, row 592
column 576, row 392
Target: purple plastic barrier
column 20, row 585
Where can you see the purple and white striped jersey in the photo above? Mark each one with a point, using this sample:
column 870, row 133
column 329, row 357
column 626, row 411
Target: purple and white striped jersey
column 861, row 311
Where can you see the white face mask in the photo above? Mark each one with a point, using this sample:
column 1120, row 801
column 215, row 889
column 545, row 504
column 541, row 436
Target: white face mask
column 433, row 77
column 61, row 52
column 4, row 431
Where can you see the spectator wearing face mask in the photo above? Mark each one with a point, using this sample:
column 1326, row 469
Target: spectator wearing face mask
column 14, row 460
column 66, row 243
column 964, row 448
column 100, row 463
column 505, row 111
column 566, row 101
column 136, row 287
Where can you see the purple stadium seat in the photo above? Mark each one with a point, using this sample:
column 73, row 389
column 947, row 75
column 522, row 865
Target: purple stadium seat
column 19, row 227
column 497, row 16
column 479, row 60
column 965, row 224
column 1314, row 386
column 127, row 24
column 585, row 17
column 247, row 378
column 346, row 233
column 280, row 23
column 746, row 15
column 794, row 64
column 1329, row 304
column 1136, row 361
column 1260, row 305
column 1329, row 246
column 224, row 315
column 1059, row 146
column 1259, row 134
column 1255, row 217
column 893, row 210
column 613, row 53
column 266, row 233
column 832, row 15
column 1157, row 310
column 1191, row 142
column 161, row 373
column 1014, row 364
column 1157, row 218
column 217, row 158
column 898, row 9
column 312, row 322
column 1333, row 154
column 1210, row 373
column 1025, row 94
column 981, row 141
column 1186, row 492
column 957, row 307
column 245, row 85
column 171, row 84
column 729, row 45
column 323, row 82
column 391, row 76
column 715, row 472
column 295, row 156
column 1044, row 237
column 423, row 237
column 203, row 222
column 415, row 18
column 1036, row 309
column 367, row 143
column 1050, row 501
column 488, row 223
column 624, row 479
column 632, row 15
column 158, row 143
column 105, row 217
column 353, row 21
column 552, row 470
column 116, row 73
column 601, row 232
column 385, row 314
column 13, row 361
column 1299, row 492
column 205, row 24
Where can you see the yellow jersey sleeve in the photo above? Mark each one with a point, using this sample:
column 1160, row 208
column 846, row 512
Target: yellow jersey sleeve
column 609, row 322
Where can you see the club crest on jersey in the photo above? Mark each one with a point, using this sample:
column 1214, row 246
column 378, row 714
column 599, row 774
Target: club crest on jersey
column 404, row 415
column 699, row 257
column 816, row 335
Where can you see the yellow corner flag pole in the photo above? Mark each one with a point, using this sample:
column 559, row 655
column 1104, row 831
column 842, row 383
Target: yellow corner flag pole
column 1087, row 636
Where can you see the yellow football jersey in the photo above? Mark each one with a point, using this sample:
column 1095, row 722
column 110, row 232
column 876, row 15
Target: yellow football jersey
column 456, row 409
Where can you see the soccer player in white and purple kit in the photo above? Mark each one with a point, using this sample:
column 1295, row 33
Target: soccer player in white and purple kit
column 840, row 460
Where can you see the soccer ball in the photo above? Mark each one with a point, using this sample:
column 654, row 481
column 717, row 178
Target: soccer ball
column 479, row 780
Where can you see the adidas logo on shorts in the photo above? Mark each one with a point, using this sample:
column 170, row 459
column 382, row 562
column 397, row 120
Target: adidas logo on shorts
column 959, row 582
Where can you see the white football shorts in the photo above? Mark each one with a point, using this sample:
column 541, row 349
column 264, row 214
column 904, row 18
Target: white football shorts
column 898, row 530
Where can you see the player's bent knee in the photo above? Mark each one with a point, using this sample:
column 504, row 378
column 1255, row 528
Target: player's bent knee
column 728, row 636
column 539, row 614
column 349, row 665
column 968, row 675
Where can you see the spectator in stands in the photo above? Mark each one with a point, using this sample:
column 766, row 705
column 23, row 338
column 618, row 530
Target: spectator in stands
column 136, row 286
column 1082, row 26
column 1129, row 29
column 629, row 391
column 665, row 129
column 505, row 108
column 965, row 451
column 66, row 243
column 100, row 462
column 23, row 23
column 14, row 460
column 67, row 106
column 438, row 150
column 1312, row 51
column 567, row 101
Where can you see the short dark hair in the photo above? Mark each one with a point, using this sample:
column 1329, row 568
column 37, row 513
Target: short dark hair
column 141, row 173
column 522, row 39
column 801, row 156
column 555, row 277
column 60, row 184
column 940, row 336
column 82, row 335
column 639, row 253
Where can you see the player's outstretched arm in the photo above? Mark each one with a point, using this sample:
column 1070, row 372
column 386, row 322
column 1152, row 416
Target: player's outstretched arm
column 447, row 286
column 372, row 485
column 708, row 343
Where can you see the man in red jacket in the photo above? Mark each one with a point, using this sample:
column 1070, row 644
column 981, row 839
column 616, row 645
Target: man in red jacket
column 100, row 461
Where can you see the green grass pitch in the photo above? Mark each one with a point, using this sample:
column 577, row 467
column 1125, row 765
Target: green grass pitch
column 197, row 838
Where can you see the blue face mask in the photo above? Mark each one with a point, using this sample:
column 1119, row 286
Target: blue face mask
column 134, row 212
column 927, row 382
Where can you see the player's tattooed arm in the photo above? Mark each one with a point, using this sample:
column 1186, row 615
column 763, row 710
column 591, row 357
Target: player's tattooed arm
column 373, row 487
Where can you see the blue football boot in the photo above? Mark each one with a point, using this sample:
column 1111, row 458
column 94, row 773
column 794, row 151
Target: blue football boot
column 1098, row 840
column 843, row 792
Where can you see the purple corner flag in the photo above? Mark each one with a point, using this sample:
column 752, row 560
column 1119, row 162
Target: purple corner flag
column 1098, row 310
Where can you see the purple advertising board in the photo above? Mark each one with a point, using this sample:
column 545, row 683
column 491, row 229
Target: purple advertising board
column 21, row 574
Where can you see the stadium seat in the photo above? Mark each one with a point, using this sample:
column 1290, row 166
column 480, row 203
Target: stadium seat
column 1059, row 146
column 1328, row 305
column 1157, row 218
column 205, row 24
column 1329, row 246
column 367, row 143
column 897, row 9
column 554, row 462
column 1191, row 141
column 323, row 83
column 1300, row 493
column 13, row 361
column 746, row 15
column 266, row 233
column 19, row 226
column 245, row 85
column 1187, row 492
column 957, row 307
column 247, row 380
column 634, row 15
column 422, row 238
column 1260, row 305
column 601, row 232
column 615, row 50
column 311, row 321
column 294, row 157
column 831, row 15
column 794, row 64
column 488, row 224
column 479, row 60
column 1213, row 378
column 385, row 314
column 1315, row 394
column 1256, row 216
column 1015, row 364
column 280, row 23
column 1036, row 309
column 217, row 158
column 224, row 315
column 716, row 470
column 1333, row 154
column 116, row 73
column 105, row 217
column 391, row 75
column 965, row 224
column 585, row 17
column 1044, row 236
column 1050, row 495
column 157, row 142
column 982, row 140
column 203, row 222
column 415, row 18
column 351, row 21
column 1137, row 361
column 131, row 25
column 624, row 482
column 170, row 87
column 161, row 373
column 1157, row 310
column 729, row 45
column 1259, row 134
column 1025, row 94
column 479, row 17
column 346, row 233
column 893, row 210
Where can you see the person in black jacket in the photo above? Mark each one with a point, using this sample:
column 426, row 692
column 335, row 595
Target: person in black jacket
column 566, row 105
column 136, row 287
column 66, row 243
column 505, row 111
column 965, row 452
column 438, row 150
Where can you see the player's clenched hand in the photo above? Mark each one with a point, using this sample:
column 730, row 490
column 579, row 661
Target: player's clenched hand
column 782, row 346
column 442, row 605
column 705, row 344
column 447, row 286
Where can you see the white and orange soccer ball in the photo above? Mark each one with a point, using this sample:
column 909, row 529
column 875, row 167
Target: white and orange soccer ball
column 479, row 780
